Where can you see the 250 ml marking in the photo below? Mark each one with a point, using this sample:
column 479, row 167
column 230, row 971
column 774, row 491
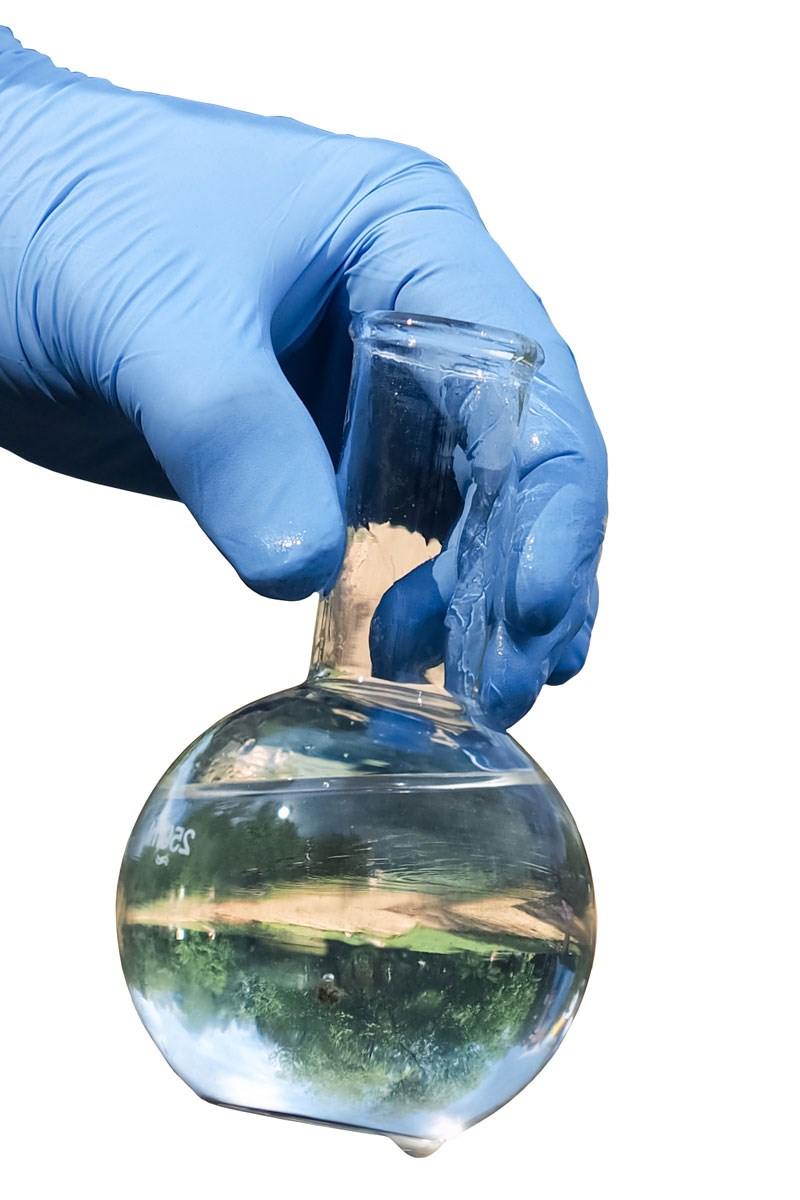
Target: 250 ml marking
column 174, row 839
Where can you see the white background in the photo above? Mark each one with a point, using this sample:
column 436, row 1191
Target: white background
column 637, row 163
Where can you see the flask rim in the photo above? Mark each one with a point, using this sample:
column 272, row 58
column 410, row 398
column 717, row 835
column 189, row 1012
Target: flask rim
column 481, row 343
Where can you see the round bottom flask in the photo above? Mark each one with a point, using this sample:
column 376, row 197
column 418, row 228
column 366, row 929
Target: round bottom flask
column 357, row 902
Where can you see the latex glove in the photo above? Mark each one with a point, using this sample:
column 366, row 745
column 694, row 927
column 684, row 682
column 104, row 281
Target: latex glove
column 176, row 282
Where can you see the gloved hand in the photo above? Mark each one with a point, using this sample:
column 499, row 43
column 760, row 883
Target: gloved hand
column 176, row 282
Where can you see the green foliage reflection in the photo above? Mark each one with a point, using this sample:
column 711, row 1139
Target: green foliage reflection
column 389, row 1026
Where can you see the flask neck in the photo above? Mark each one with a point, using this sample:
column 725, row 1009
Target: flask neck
column 377, row 556
column 427, row 484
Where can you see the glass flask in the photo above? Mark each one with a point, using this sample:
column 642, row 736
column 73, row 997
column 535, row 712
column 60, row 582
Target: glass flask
column 356, row 902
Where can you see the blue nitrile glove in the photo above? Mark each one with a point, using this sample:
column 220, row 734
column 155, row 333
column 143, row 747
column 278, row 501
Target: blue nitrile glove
column 176, row 282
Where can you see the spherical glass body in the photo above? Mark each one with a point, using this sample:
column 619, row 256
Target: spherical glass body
column 348, row 903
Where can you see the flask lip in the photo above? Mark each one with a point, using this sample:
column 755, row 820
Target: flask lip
column 404, row 331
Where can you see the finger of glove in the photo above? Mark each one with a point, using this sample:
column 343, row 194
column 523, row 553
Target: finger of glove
column 407, row 631
column 558, row 531
column 408, row 636
column 244, row 455
column 517, row 665
column 574, row 656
